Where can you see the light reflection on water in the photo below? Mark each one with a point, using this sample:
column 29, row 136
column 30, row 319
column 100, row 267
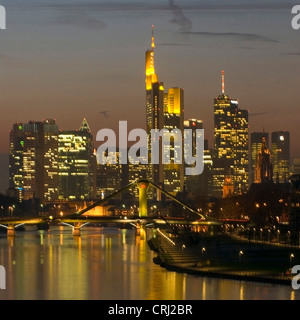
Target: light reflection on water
column 108, row 264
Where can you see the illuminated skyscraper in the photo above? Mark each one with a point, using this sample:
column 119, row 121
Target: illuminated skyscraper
column 151, row 76
column 50, row 160
column 33, row 163
column 280, row 149
column 173, row 119
column 154, row 109
column 16, row 147
column 164, row 110
column 77, row 164
column 230, row 144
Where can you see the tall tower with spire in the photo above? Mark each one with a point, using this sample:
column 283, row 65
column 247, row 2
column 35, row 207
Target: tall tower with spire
column 163, row 110
column 151, row 76
column 230, row 143
column 154, row 108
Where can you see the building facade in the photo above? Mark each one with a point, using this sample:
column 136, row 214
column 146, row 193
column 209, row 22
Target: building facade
column 77, row 164
column 231, row 154
column 199, row 185
column 164, row 110
column 173, row 119
column 33, row 161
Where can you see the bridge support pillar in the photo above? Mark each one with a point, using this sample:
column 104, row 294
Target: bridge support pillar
column 76, row 230
column 11, row 230
column 140, row 231
column 143, row 201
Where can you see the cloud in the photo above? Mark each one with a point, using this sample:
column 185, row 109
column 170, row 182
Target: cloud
column 179, row 17
column 234, row 35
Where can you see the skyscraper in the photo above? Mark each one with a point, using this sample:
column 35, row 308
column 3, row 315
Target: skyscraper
column 255, row 147
column 164, row 110
column 77, row 164
column 173, row 119
column 33, row 162
column 230, row 144
column 280, row 149
column 154, row 109
column 199, row 185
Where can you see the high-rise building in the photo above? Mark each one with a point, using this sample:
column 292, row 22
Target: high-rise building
column 256, row 140
column 16, row 147
column 199, row 185
column 230, row 144
column 33, row 164
column 50, row 160
column 280, row 149
column 154, row 109
column 173, row 119
column 77, row 164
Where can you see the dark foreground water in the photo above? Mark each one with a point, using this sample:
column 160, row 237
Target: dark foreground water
column 108, row 264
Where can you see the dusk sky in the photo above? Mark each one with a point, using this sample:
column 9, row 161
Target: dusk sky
column 70, row 59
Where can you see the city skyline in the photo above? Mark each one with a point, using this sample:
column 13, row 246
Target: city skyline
column 100, row 77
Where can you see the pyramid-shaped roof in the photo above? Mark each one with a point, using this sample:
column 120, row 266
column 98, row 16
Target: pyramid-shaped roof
column 85, row 126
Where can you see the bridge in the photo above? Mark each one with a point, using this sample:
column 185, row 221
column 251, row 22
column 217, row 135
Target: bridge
column 79, row 219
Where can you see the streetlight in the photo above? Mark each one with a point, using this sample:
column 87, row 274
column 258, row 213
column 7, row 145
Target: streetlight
column 278, row 235
column 11, row 209
column 269, row 235
column 291, row 259
column 261, row 232
column 183, row 247
column 203, row 250
column 240, row 256
column 289, row 236
column 254, row 233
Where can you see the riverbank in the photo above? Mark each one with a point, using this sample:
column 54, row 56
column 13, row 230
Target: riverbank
column 226, row 257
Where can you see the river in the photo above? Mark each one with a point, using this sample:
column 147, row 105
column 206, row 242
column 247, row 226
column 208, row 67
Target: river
column 108, row 264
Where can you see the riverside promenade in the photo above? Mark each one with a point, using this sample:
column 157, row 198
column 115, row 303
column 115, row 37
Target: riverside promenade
column 227, row 257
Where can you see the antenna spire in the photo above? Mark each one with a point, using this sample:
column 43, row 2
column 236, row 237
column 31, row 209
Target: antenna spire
column 152, row 40
column 223, row 82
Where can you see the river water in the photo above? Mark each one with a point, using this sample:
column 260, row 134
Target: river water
column 108, row 264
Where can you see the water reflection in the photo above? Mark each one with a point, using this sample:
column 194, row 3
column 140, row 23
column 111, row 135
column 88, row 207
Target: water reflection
column 107, row 264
